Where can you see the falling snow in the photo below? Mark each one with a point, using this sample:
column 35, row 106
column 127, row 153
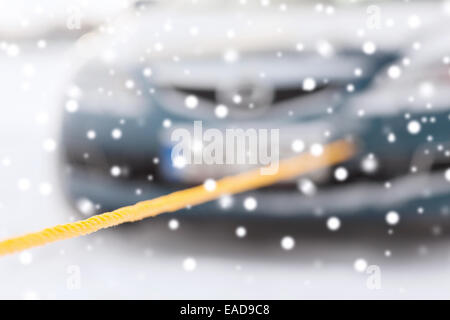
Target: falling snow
column 316, row 150
column 309, row 84
column 287, row 243
column 447, row 175
column 241, row 232
column 250, row 204
column 221, row 111
column 298, row 146
column 173, row 224
column 307, row 187
column 116, row 134
column 341, row 174
column 189, row 264
column 209, row 185
column 333, row 223
column 115, row 171
column 414, row 127
column 360, row 265
column 392, row 218
column 25, row 257
column 191, row 102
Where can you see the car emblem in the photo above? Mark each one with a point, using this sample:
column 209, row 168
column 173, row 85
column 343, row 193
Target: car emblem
column 245, row 95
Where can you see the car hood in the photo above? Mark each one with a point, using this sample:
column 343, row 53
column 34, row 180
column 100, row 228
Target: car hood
column 172, row 30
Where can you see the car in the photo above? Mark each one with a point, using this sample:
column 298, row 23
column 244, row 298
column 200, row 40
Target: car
column 404, row 116
column 166, row 70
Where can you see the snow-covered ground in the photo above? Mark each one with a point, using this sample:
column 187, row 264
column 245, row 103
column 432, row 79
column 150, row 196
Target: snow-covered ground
column 202, row 258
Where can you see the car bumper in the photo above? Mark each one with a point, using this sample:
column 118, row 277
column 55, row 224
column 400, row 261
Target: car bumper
column 406, row 195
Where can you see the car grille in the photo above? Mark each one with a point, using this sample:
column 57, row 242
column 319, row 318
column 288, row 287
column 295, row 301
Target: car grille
column 279, row 95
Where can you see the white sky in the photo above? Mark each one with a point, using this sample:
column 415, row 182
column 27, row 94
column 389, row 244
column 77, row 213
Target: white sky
column 21, row 17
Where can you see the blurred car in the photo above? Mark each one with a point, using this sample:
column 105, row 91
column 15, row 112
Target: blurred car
column 404, row 116
column 126, row 99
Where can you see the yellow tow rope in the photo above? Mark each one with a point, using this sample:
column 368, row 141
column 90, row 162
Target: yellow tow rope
column 333, row 153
